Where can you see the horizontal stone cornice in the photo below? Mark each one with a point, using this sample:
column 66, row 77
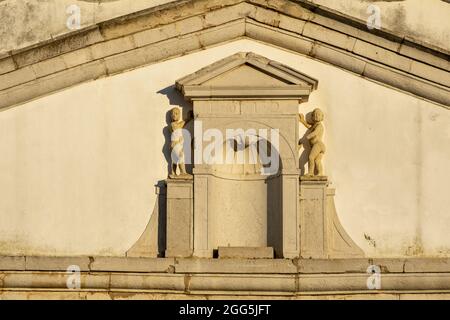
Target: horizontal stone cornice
column 230, row 276
column 187, row 26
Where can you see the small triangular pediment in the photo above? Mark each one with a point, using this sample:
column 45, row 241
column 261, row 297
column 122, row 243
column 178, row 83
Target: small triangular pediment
column 246, row 75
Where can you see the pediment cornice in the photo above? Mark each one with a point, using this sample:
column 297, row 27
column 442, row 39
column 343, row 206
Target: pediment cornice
column 219, row 80
column 186, row 26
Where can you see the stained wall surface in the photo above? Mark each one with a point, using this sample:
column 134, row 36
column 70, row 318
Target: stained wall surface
column 27, row 22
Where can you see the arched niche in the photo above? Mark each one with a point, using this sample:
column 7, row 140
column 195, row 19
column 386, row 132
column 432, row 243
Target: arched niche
column 244, row 209
column 246, row 92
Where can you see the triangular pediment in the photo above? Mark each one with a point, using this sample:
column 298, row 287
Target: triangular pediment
column 247, row 75
column 159, row 33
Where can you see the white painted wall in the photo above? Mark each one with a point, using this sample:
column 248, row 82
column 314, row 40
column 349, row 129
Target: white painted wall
column 78, row 168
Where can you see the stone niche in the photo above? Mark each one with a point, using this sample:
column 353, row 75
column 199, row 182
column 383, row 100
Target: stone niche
column 245, row 205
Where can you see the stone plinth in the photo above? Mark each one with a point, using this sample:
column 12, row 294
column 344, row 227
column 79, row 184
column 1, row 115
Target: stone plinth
column 179, row 227
column 321, row 234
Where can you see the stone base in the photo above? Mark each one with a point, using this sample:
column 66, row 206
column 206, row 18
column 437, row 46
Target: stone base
column 179, row 224
column 246, row 252
column 322, row 235
column 128, row 278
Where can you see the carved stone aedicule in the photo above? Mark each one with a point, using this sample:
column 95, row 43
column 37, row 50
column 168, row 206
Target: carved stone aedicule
column 246, row 205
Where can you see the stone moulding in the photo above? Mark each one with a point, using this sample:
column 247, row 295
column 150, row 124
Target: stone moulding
column 215, row 277
column 186, row 26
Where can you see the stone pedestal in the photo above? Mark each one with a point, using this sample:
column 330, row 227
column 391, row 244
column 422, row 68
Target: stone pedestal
column 314, row 222
column 321, row 234
column 179, row 226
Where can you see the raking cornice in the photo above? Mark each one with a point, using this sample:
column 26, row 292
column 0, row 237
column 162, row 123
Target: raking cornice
column 187, row 26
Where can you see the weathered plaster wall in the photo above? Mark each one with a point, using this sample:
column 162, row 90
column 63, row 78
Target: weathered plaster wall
column 426, row 21
column 24, row 23
column 78, row 167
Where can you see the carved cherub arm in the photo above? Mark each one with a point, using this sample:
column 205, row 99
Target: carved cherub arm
column 317, row 130
column 301, row 119
column 312, row 135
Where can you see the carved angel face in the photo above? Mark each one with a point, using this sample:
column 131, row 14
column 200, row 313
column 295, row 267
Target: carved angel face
column 317, row 115
column 175, row 113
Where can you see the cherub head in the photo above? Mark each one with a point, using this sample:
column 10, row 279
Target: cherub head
column 317, row 115
column 175, row 113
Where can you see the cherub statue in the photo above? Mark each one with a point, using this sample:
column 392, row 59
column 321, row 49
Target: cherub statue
column 315, row 138
column 176, row 143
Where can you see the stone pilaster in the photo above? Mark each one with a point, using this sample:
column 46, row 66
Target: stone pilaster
column 180, row 214
column 314, row 221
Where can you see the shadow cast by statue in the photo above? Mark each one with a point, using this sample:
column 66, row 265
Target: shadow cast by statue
column 306, row 146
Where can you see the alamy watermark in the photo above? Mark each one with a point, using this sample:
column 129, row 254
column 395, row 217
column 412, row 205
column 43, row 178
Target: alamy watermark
column 374, row 280
column 73, row 22
column 73, row 281
column 374, row 19
column 234, row 146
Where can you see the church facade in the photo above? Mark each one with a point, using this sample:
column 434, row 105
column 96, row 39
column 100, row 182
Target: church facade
column 225, row 149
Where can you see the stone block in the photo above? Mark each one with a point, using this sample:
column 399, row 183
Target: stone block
column 348, row 29
column 48, row 66
column 291, row 24
column 111, row 47
column 314, row 221
column 147, row 281
column 267, row 17
column 227, row 14
column 419, row 265
column 222, row 33
column 311, row 266
column 150, row 36
column 291, row 8
column 328, row 36
column 407, row 83
column 126, row 61
column 53, row 280
column 431, row 73
column 389, row 265
column 246, row 252
column 7, row 65
column 58, row 47
column 56, row 263
column 180, row 218
column 382, row 55
column 284, row 39
column 115, row 264
column 413, row 52
column 260, row 283
column 77, row 57
column 332, row 282
column 338, row 58
column 415, row 281
column 17, row 77
column 261, row 266
column 12, row 263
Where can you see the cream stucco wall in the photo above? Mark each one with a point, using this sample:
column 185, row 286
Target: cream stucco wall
column 78, row 167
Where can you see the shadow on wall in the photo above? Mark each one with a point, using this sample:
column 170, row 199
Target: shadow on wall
column 306, row 146
column 176, row 99
column 161, row 219
column 274, row 210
